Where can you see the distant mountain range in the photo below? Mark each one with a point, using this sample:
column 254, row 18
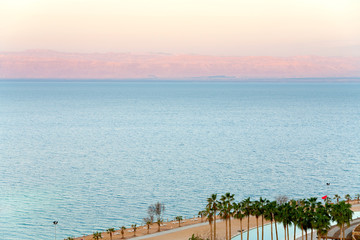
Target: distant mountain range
column 45, row 64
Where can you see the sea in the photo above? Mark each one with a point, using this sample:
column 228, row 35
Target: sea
column 95, row 154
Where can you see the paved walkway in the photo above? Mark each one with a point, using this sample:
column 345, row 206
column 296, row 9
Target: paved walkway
column 172, row 230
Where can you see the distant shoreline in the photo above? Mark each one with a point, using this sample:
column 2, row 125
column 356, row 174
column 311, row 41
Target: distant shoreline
column 204, row 80
column 65, row 65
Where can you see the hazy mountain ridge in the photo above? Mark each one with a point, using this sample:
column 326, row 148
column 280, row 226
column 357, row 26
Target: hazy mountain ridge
column 52, row 64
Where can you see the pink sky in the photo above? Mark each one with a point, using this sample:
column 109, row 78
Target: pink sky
column 179, row 38
column 51, row 64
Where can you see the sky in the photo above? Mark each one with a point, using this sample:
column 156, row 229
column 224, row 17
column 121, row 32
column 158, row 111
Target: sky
column 204, row 27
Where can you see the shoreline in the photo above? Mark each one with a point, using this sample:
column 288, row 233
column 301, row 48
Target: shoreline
column 178, row 233
column 171, row 229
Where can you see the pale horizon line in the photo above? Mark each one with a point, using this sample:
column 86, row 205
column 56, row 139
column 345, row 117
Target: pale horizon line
column 44, row 50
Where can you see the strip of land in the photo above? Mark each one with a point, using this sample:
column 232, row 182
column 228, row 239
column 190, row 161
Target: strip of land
column 172, row 231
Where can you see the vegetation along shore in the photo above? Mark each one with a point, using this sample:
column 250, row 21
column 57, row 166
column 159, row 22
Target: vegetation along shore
column 312, row 216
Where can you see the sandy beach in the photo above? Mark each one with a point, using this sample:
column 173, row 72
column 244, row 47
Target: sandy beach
column 172, row 231
column 189, row 227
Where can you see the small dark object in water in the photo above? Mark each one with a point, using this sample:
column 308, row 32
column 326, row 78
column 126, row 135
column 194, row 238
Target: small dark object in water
column 327, row 183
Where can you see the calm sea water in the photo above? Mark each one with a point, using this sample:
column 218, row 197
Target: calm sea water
column 94, row 155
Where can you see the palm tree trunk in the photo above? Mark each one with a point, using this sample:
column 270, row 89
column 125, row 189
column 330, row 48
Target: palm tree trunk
column 262, row 227
column 241, row 230
column 226, row 229
column 294, row 231
column 211, row 232
column 284, row 231
column 229, row 227
column 271, row 229
column 311, row 234
column 248, row 226
column 276, row 231
column 287, row 229
column 214, row 225
column 257, row 227
column 302, row 233
column 341, row 232
column 306, row 234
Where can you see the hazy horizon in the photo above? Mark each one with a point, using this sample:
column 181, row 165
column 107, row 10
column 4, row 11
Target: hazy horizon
column 164, row 39
column 45, row 64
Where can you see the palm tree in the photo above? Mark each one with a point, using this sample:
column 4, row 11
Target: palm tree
column 283, row 217
column 256, row 211
column 201, row 215
column 277, row 217
column 179, row 218
column 223, row 212
column 337, row 197
column 110, row 231
column 312, row 205
column 268, row 214
column 159, row 222
column 134, row 228
column 300, row 219
column 246, row 203
column 322, row 222
column 308, row 220
column 69, row 238
column 347, row 215
column 305, row 222
column 285, row 212
column 148, row 223
column 342, row 214
column 294, row 214
column 263, row 202
column 208, row 213
column 357, row 197
column 348, row 198
column 336, row 215
column 122, row 231
column 97, row 235
column 238, row 214
column 226, row 204
column 213, row 204
column 230, row 198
